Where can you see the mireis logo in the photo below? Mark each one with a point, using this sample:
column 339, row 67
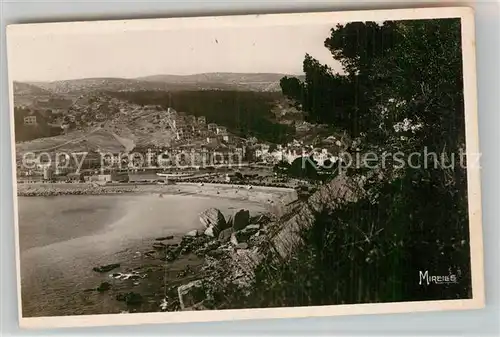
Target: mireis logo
column 425, row 278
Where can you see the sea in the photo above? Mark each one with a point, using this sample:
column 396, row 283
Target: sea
column 61, row 238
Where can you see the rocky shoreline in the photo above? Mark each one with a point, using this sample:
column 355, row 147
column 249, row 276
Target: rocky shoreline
column 190, row 272
column 184, row 272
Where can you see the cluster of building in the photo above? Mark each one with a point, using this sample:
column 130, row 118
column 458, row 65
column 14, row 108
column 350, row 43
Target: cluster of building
column 187, row 128
column 197, row 143
column 296, row 149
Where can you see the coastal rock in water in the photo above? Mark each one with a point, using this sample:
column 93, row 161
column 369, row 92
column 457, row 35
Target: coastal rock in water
column 225, row 235
column 104, row 286
column 241, row 219
column 159, row 245
column 163, row 238
column 106, row 268
column 191, row 294
column 212, row 217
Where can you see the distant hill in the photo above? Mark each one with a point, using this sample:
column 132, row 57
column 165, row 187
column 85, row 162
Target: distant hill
column 30, row 95
column 81, row 86
column 235, row 81
column 266, row 82
column 21, row 88
column 95, row 122
column 215, row 77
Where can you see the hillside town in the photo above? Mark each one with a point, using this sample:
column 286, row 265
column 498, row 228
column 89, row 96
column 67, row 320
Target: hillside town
column 160, row 143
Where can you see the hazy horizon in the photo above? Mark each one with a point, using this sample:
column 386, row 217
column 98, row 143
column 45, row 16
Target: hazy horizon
column 64, row 56
column 150, row 75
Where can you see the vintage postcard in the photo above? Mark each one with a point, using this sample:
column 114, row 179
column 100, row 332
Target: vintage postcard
column 245, row 167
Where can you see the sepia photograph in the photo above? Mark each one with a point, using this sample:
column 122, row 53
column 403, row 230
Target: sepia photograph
column 251, row 166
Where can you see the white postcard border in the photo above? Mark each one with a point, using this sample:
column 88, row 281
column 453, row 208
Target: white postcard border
column 466, row 15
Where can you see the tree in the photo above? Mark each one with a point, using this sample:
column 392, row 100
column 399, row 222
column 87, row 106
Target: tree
column 344, row 100
column 304, row 167
column 398, row 72
column 429, row 54
column 292, row 87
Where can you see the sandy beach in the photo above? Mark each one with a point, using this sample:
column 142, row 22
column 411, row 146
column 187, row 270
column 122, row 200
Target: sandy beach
column 273, row 197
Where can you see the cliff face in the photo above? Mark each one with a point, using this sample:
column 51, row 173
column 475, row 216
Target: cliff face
column 340, row 190
column 283, row 236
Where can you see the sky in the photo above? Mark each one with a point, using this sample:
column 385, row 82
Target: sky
column 129, row 54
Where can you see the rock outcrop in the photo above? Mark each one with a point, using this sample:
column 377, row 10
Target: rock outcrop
column 244, row 234
column 212, row 217
column 339, row 191
column 214, row 221
column 241, row 219
column 225, row 235
column 192, row 233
